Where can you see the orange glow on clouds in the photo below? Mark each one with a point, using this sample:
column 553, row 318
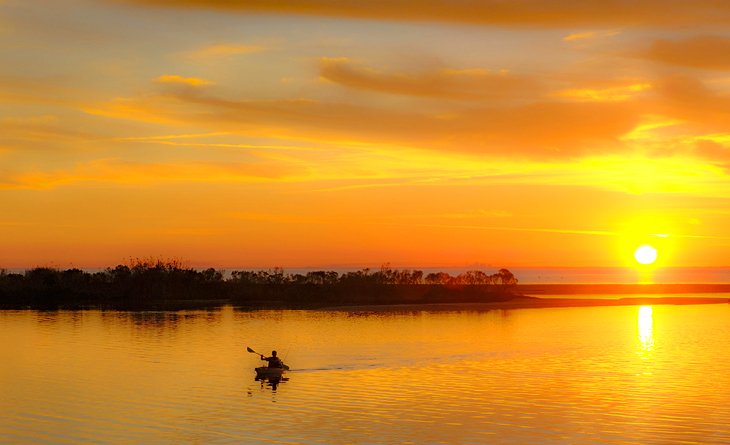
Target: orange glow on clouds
column 175, row 79
column 316, row 134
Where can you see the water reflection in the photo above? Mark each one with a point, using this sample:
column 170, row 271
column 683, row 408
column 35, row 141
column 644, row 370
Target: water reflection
column 593, row 375
column 271, row 382
column 646, row 328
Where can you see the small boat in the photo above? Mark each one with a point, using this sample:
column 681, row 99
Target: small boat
column 264, row 372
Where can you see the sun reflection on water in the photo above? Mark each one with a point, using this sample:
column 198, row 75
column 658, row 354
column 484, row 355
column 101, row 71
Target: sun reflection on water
column 550, row 376
column 646, row 328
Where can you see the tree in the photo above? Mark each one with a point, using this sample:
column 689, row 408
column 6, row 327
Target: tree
column 474, row 277
column 438, row 278
column 504, row 279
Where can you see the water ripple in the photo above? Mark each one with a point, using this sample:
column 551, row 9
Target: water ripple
column 583, row 375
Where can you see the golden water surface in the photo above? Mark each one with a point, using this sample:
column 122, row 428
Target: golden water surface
column 603, row 375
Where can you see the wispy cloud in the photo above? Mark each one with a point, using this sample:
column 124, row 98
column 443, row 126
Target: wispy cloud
column 119, row 171
column 690, row 99
column 39, row 91
column 180, row 80
column 542, row 129
column 166, row 137
column 474, row 84
column 602, row 233
column 225, row 50
column 706, row 52
column 579, row 36
column 44, row 133
column 527, row 12
column 514, row 229
column 621, row 93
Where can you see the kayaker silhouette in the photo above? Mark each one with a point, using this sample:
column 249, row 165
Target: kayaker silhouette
column 274, row 361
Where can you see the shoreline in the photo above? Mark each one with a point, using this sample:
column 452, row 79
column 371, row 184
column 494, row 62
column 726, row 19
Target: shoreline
column 525, row 296
column 527, row 302
column 518, row 302
column 622, row 288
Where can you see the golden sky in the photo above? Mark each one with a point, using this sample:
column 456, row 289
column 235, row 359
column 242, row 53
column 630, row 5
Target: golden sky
column 312, row 133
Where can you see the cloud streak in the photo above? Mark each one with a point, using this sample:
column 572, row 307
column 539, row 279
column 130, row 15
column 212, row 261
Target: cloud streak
column 704, row 52
column 119, row 171
column 567, row 124
column 542, row 130
column 556, row 13
column 471, row 84
column 223, row 50
column 174, row 79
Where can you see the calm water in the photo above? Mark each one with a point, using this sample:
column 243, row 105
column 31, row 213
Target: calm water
column 606, row 375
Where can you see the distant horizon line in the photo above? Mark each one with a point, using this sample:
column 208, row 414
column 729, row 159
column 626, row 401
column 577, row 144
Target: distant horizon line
column 587, row 275
column 365, row 266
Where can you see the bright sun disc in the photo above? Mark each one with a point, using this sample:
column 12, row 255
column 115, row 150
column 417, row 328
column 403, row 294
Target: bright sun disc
column 645, row 254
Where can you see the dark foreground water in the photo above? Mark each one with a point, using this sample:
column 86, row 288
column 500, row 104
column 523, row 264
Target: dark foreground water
column 605, row 375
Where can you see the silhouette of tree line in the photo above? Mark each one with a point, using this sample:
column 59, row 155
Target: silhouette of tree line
column 168, row 284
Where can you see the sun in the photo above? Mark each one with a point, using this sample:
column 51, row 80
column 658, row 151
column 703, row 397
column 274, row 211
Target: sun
column 645, row 254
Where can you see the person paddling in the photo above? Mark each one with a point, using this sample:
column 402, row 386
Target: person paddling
column 274, row 361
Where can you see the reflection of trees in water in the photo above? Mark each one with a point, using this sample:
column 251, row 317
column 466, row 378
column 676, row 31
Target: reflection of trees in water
column 50, row 319
column 158, row 284
column 159, row 324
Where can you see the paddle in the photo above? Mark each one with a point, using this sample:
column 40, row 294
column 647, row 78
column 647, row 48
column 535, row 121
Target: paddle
column 286, row 367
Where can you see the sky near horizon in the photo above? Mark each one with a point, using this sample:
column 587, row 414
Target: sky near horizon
column 312, row 133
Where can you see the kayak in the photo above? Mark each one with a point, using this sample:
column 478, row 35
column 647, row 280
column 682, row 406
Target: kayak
column 265, row 372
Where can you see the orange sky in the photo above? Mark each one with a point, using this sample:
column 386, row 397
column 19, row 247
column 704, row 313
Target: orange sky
column 313, row 133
